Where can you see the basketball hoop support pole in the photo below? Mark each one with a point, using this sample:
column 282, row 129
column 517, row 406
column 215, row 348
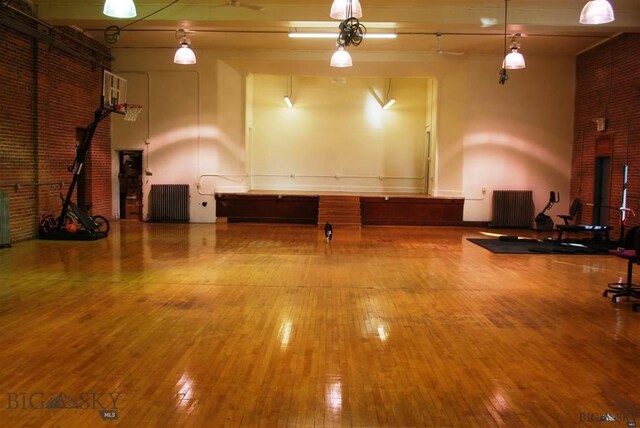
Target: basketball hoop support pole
column 81, row 154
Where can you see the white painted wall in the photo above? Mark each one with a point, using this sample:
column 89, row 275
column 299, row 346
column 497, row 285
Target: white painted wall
column 516, row 136
column 337, row 137
column 519, row 136
column 193, row 119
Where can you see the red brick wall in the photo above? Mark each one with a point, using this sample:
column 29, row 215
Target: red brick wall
column 46, row 94
column 608, row 85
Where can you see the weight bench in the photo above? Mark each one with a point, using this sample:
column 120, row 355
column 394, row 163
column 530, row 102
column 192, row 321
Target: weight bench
column 597, row 230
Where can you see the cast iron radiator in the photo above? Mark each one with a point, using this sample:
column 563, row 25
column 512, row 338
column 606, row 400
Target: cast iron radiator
column 512, row 208
column 170, row 203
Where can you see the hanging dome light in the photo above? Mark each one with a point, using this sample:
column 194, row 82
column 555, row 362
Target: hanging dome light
column 514, row 60
column 119, row 8
column 341, row 58
column 184, row 55
column 597, row 12
column 339, row 9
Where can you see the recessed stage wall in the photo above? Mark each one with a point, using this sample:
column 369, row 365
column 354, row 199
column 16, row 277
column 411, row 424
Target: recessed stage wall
column 337, row 136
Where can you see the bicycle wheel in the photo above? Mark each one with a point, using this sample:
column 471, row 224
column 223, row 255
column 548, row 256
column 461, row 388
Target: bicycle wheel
column 47, row 223
column 101, row 223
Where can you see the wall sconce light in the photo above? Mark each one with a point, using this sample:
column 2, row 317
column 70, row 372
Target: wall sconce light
column 287, row 98
column 184, row 54
column 119, row 8
column 597, row 12
column 388, row 101
column 287, row 101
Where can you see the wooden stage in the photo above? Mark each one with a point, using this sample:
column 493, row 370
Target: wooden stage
column 407, row 209
column 253, row 325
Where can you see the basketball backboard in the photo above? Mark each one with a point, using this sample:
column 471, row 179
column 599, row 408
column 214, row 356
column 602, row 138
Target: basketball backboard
column 114, row 90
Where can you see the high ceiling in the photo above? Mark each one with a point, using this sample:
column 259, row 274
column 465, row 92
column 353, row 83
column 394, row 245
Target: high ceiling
column 470, row 26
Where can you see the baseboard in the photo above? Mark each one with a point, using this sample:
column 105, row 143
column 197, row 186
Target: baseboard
column 483, row 224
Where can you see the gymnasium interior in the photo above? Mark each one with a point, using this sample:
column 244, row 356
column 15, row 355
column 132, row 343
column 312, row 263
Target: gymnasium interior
column 169, row 171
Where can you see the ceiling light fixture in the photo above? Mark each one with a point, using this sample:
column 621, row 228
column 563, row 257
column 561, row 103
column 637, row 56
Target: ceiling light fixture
column 514, row 60
column 296, row 35
column 343, row 9
column 184, row 55
column 597, row 12
column 119, row 8
column 352, row 32
column 341, row 58
column 112, row 32
column 503, row 71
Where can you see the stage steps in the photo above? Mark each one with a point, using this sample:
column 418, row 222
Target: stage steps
column 339, row 210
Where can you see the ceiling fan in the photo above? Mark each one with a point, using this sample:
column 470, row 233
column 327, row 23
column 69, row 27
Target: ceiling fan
column 238, row 3
column 443, row 52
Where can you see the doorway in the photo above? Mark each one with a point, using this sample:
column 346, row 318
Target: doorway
column 601, row 190
column 130, row 180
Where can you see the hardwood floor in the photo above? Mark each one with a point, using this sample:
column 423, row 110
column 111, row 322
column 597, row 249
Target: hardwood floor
column 267, row 325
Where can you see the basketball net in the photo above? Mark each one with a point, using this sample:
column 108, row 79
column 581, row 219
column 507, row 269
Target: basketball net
column 130, row 111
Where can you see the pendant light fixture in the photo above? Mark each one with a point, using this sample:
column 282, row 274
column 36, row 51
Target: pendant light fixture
column 514, row 60
column 597, row 12
column 352, row 32
column 343, row 9
column 124, row 9
column 119, row 8
column 184, row 55
column 341, row 58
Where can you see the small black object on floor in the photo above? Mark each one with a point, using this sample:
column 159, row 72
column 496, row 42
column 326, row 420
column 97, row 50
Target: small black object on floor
column 533, row 246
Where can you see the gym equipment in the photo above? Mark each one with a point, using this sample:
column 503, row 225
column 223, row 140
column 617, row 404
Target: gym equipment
column 574, row 209
column 543, row 221
column 130, row 111
column 113, row 100
column 598, row 230
column 625, row 212
column 627, row 288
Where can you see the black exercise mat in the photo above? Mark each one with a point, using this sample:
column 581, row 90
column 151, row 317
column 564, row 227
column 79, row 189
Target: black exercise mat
column 524, row 246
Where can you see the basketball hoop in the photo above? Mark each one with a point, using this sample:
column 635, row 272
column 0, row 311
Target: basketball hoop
column 130, row 111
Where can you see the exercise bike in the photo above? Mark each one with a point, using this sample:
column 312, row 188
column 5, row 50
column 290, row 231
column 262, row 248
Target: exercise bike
column 543, row 221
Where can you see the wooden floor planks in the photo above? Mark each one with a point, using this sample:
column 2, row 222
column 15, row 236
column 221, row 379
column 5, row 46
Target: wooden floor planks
column 268, row 325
